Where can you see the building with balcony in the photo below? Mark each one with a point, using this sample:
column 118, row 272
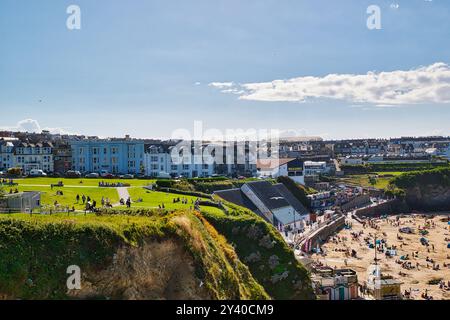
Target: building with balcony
column 315, row 168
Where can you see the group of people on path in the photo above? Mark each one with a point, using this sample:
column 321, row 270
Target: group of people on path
column 103, row 184
column 195, row 203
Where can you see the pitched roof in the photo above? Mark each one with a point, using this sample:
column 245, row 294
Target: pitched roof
column 291, row 199
column 268, row 194
column 287, row 217
column 237, row 197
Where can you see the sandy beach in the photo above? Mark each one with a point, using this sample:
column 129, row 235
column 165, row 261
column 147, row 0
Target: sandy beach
column 413, row 263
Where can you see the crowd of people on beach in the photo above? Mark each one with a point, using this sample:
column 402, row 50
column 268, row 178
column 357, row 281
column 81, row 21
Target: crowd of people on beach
column 378, row 240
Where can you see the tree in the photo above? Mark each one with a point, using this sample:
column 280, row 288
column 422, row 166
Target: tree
column 372, row 180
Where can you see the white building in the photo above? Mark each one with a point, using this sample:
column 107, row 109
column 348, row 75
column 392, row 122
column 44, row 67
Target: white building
column 274, row 203
column 29, row 156
column 315, row 168
column 158, row 162
column 284, row 167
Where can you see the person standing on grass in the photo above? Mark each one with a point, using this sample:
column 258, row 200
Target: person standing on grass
column 128, row 203
column 78, row 198
column 83, row 198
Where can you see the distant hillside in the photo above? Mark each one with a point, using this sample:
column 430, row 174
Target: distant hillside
column 425, row 190
column 178, row 255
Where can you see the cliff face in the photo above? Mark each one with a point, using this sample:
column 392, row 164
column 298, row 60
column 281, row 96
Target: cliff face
column 153, row 271
column 428, row 197
column 426, row 190
column 176, row 256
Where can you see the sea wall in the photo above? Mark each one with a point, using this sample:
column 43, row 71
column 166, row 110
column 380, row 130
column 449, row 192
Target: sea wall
column 326, row 231
column 390, row 207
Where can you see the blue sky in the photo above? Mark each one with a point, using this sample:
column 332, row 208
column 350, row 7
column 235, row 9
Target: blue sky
column 145, row 68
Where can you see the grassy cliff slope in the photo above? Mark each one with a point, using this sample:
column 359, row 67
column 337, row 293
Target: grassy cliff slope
column 177, row 256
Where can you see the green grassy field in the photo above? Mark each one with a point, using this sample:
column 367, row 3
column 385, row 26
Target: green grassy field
column 363, row 180
column 152, row 199
column 49, row 196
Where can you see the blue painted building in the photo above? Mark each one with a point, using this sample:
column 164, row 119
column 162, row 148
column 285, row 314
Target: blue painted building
column 116, row 156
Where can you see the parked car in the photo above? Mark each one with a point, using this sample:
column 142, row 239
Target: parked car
column 73, row 174
column 105, row 174
column 128, row 176
column 37, row 173
column 92, row 175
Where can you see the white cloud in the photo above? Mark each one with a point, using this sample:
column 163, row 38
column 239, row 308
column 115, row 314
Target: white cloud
column 33, row 126
column 28, row 125
column 428, row 84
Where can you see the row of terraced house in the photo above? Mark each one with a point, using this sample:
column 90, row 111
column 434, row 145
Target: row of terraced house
column 116, row 156
column 58, row 154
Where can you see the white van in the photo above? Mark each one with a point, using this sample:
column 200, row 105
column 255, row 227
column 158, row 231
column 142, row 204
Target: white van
column 37, row 173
